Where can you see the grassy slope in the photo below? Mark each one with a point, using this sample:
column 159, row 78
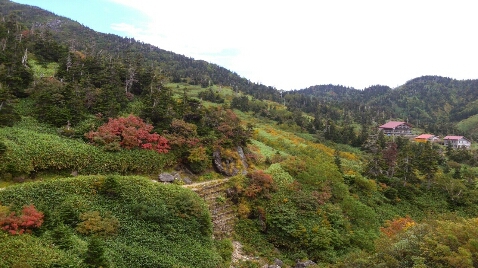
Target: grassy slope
column 32, row 148
column 160, row 225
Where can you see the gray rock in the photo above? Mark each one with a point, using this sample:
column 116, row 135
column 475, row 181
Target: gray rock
column 304, row 264
column 165, row 177
column 278, row 263
column 187, row 180
column 243, row 159
column 227, row 167
column 218, row 164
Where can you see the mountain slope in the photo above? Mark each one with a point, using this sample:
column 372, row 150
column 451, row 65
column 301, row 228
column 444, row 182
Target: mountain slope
column 178, row 67
column 438, row 104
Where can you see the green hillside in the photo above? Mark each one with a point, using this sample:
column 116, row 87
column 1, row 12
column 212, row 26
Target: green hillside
column 139, row 223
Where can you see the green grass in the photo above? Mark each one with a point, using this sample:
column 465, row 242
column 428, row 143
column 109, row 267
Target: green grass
column 193, row 92
column 468, row 124
column 48, row 70
column 33, row 147
column 266, row 150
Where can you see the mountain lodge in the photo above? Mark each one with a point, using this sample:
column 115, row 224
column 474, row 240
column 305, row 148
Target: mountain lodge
column 396, row 128
column 425, row 138
column 457, row 142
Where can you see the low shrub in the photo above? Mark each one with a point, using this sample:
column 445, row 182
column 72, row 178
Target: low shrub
column 29, row 151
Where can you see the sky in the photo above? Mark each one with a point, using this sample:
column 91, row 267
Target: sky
column 301, row 43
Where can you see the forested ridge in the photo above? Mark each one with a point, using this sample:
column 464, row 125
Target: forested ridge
column 436, row 104
column 178, row 67
column 89, row 120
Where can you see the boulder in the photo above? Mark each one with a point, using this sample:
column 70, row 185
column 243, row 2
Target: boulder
column 278, row 263
column 304, row 264
column 227, row 167
column 187, row 180
column 166, row 177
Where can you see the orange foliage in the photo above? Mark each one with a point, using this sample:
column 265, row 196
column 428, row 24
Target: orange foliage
column 80, row 55
column 182, row 134
column 397, row 225
column 348, row 156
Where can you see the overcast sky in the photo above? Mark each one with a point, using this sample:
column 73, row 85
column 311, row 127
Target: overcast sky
column 297, row 44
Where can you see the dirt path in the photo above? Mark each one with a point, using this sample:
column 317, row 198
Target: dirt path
column 198, row 184
column 238, row 255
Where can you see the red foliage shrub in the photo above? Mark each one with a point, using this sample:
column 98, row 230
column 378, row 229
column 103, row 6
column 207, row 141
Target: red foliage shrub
column 129, row 132
column 182, row 134
column 260, row 183
column 29, row 219
column 227, row 126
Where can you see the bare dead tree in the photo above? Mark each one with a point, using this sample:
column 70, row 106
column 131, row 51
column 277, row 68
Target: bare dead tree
column 131, row 79
column 25, row 58
column 68, row 62
column 4, row 43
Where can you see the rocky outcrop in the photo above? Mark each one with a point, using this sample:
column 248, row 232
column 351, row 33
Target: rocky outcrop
column 221, row 168
column 243, row 160
column 228, row 166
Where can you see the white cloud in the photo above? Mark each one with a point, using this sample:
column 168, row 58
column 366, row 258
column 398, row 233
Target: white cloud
column 293, row 45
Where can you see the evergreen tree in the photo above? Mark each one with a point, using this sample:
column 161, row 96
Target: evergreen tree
column 8, row 116
column 95, row 254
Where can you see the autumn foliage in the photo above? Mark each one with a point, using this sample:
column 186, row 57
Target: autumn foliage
column 260, row 184
column 128, row 132
column 396, row 226
column 29, row 219
column 94, row 223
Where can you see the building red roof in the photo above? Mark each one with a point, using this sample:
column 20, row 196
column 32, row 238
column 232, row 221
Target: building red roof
column 453, row 138
column 425, row 136
column 394, row 124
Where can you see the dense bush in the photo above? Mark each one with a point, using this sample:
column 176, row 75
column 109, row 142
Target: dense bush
column 29, row 219
column 128, row 132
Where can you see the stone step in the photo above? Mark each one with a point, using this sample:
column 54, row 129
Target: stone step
column 222, row 206
column 223, row 212
column 225, row 219
column 205, row 187
column 224, row 215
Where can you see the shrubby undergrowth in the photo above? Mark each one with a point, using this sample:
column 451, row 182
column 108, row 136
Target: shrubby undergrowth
column 138, row 223
column 28, row 151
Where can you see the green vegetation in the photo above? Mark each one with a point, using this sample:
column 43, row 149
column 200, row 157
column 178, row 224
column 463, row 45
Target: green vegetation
column 321, row 183
column 29, row 151
column 111, row 217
